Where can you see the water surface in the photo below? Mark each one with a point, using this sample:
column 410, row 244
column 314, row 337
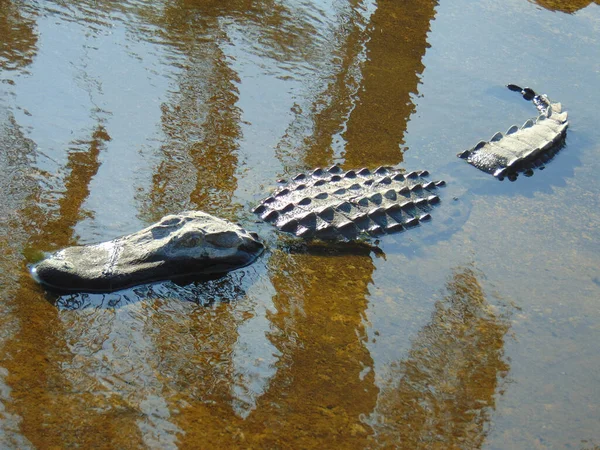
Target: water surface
column 477, row 330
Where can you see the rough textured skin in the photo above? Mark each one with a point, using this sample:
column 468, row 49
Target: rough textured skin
column 522, row 149
column 327, row 204
column 178, row 245
column 336, row 205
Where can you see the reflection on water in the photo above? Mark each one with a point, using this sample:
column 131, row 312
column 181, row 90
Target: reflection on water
column 397, row 42
column 443, row 393
column 37, row 360
column 177, row 366
column 18, row 184
column 82, row 164
column 200, row 121
column 18, row 42
column 313, row 138
column 318, row 328
column 567, row 6
column 360, row 116
column 115, row 113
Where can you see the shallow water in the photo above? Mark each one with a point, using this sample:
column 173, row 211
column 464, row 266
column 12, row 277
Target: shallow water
column 481, row 334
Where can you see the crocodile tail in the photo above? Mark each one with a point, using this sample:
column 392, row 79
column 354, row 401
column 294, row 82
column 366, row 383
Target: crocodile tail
column 541, row 102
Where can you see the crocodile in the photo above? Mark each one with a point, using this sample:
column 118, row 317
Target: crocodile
column 325, row 204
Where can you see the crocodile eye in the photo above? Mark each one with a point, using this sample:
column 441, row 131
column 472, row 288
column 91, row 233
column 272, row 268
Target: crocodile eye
column 190, row 240
column 224, row 239
column 170, row 221
column 165, row 227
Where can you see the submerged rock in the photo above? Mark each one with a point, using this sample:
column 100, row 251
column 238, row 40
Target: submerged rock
column 191, row 243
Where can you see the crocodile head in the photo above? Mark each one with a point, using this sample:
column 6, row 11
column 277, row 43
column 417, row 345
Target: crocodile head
column 191, row 243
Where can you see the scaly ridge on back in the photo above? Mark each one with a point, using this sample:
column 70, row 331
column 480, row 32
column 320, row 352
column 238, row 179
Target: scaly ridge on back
column 522, row 148
column 333, row 204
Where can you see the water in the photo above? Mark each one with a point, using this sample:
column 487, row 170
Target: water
column 478, row 335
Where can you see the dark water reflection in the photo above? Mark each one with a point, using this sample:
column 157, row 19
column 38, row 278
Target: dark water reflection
column 113, row 114
column 396, row 44
column 320, row 304
column 566, row 6
column 19, row 39
column 444, row 393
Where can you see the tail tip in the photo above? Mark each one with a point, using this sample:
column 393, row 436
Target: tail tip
column 527, row 93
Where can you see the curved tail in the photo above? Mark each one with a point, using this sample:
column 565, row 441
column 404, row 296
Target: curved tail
column 541, row 102
column 523, row 148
